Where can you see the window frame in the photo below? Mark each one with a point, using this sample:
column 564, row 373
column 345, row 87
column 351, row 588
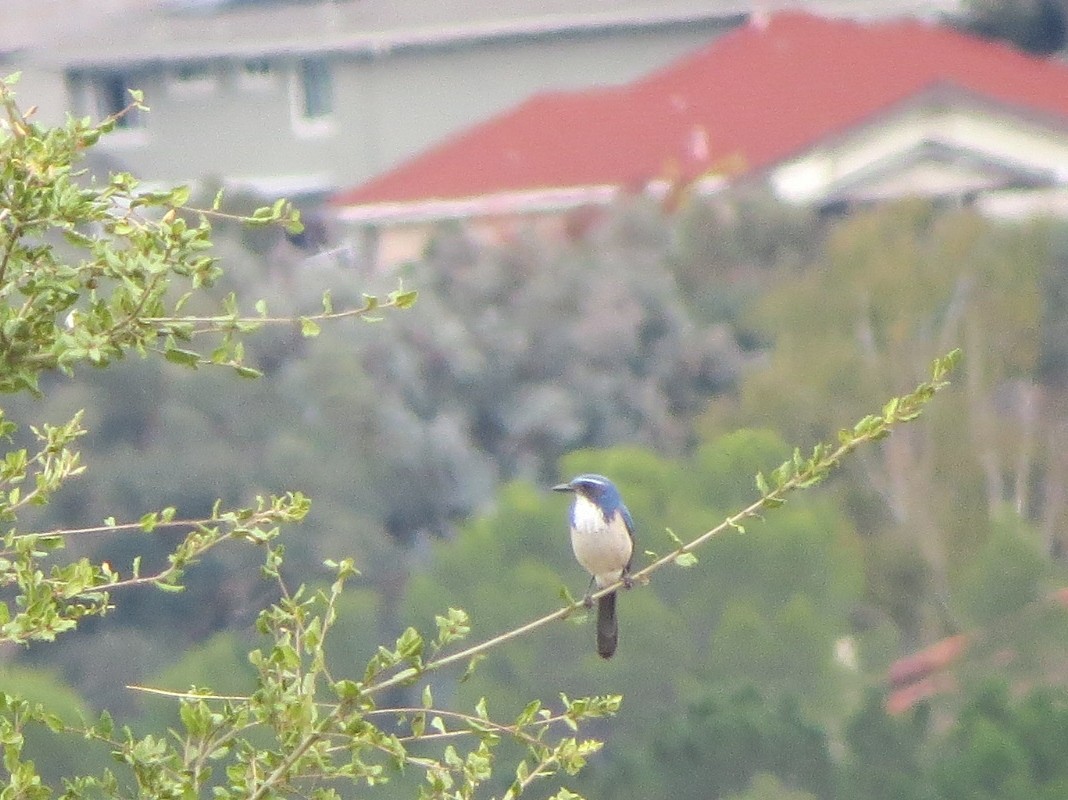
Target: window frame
column 308, row 119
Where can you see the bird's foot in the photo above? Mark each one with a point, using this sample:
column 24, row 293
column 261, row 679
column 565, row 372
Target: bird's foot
column 588, row 600
column 628, row 582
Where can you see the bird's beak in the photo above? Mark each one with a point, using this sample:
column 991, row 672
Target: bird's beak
column 564, row 487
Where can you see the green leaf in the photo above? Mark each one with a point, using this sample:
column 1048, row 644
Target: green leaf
column 294, row 226
column 187, row 358
column 247, row 372
column 566, row 794
column 309, row 328
column 346, row 689
column 410, row 643
column 404, row 299
column 195, row 718
column 686, row 559
column 527, row 715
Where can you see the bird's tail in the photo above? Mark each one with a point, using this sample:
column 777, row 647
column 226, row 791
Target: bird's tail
column 607, row 629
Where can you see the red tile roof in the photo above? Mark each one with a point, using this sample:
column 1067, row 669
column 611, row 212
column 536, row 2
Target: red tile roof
column 928, row 672
column 761, row 92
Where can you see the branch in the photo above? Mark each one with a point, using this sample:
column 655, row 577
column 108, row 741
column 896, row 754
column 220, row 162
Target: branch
column 313, row 737
column 399, row 299
column 795, row 474
column 115, row 528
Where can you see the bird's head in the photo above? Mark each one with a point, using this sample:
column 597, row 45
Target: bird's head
column 595, row 488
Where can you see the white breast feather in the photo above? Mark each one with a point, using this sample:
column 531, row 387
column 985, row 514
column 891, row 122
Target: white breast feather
column 601, row 548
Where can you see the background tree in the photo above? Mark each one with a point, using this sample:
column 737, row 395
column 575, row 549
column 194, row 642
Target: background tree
column 894, row 285
column 1038, row 26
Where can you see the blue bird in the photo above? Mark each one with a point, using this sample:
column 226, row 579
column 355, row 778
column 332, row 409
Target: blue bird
column 602, row 536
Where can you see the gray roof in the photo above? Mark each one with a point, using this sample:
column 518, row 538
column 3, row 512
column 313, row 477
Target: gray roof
column 374, row 27
column 28, row 23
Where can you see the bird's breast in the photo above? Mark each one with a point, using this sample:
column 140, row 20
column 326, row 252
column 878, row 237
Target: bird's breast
column 602, row 544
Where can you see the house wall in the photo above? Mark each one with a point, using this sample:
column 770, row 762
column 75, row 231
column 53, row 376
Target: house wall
column 36, row 87
column 875, row 161
column 221, row 122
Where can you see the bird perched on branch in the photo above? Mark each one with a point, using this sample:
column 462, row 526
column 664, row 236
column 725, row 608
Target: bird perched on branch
column 602, row 536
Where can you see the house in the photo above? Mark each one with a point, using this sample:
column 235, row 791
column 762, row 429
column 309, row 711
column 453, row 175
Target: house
column 27, row 24
column 305, row 97
column 826, row 112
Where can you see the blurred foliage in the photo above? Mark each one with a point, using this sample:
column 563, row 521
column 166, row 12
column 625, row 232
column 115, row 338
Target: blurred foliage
column 895, row 286
column 748, row 737
column 1005, row 748
column 1037, row 26
column 885, row 756
column 516, row 355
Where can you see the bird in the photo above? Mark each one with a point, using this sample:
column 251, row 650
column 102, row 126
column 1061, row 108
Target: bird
column 602, row 536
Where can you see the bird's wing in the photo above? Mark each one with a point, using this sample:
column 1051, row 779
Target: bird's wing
column 627, row 520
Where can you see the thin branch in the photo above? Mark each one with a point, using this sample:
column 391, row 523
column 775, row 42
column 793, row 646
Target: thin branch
column 122, row 526
column 135, row 314
column 546, row 761
column 515, row 731
column 898, row 410
column 234, row 698
column 223, row 323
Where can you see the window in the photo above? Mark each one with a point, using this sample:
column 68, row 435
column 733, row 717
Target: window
column 314, row 96
column 256, row 74
column 194, row 79
column 258, row 68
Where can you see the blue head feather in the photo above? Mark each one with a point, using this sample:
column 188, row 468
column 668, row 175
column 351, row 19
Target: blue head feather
column 601, row 491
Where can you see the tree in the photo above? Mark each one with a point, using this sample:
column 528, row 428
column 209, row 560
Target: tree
column 895, row 285
column 1005, row 749
column 1038, row 26
column 884, row 759
column 736, row 740
column 476, row 382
